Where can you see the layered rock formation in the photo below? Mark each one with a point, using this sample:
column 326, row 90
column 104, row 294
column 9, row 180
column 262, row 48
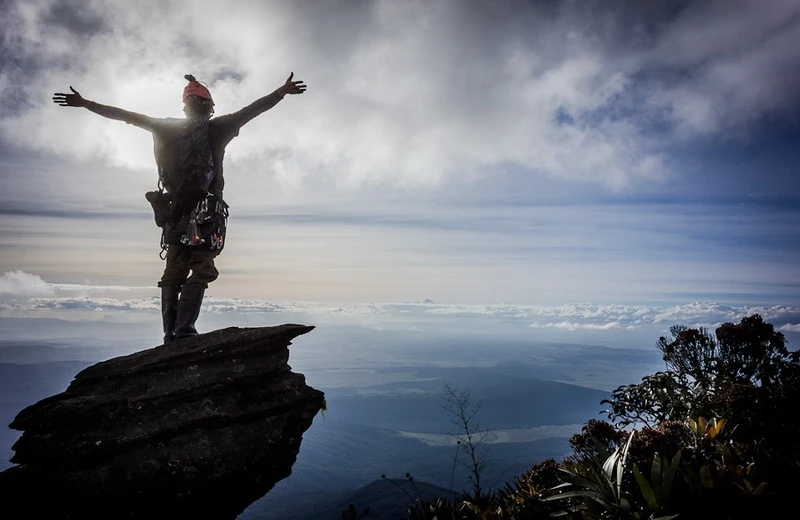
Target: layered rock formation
column 196, row 429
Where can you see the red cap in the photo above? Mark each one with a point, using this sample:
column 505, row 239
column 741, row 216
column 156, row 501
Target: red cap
column 195, row 88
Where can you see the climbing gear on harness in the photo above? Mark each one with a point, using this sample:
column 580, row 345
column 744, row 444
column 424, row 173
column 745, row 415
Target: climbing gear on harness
column 203, row 228
column 208, row 222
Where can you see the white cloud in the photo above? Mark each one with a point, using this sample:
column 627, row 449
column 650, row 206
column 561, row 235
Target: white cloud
column 790, row 327
column 18, row 284
column 502, row 436
column 572, row 326
column 21, row 285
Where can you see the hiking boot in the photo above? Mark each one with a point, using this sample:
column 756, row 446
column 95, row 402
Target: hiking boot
column 169, row 310
column 188, row 310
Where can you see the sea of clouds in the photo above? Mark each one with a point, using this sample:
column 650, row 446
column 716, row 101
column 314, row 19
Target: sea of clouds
column 27, row 295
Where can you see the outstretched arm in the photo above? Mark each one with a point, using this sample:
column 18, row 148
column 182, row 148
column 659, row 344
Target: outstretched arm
column 76, row 100
column 263, row 104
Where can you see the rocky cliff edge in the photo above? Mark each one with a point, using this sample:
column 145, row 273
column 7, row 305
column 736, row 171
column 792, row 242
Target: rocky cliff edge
column 196, row 429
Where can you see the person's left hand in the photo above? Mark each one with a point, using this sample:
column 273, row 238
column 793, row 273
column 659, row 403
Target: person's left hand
column 292, row 87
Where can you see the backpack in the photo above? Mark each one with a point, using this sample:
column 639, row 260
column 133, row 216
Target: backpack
column 184, row 208
column 185, row 164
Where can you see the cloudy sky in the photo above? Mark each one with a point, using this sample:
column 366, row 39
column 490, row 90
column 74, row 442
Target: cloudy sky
column 542, row 154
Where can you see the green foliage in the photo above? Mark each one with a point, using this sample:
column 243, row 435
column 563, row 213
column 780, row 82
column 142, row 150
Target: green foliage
column 600, row 487
column 594, row 432
column 436, row 509
column 657, row 490
column 752, row 352
column 352, row 513
column 523, row 496
column 702, row 370
column 717, row 432
column 663, row 396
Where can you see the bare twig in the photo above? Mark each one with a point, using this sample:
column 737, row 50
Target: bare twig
column 463, row 412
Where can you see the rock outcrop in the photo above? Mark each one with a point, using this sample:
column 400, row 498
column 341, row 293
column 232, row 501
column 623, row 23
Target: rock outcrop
column 196, row 429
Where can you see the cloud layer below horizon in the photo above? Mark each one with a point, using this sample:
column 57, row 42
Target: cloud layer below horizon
column 26, row 295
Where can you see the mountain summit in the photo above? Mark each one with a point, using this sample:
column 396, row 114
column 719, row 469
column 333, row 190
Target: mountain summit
column 196, row 429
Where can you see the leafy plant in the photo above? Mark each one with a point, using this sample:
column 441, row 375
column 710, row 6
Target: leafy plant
column 523, row 497
column 657, row 490
column 596, row 483
column 352, row 513
column 599, row 488
column 705, row 428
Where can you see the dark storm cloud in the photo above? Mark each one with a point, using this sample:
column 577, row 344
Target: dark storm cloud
column 75, row 16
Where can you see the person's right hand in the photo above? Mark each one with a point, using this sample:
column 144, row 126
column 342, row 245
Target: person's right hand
column 292, row 87
column 69, row 100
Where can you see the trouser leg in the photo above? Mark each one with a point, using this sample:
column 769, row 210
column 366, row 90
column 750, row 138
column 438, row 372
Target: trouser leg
column 201, row 264
column 176, row 271
column 169, row 311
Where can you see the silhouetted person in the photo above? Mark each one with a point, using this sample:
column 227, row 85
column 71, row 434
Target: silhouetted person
column 189, row 154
